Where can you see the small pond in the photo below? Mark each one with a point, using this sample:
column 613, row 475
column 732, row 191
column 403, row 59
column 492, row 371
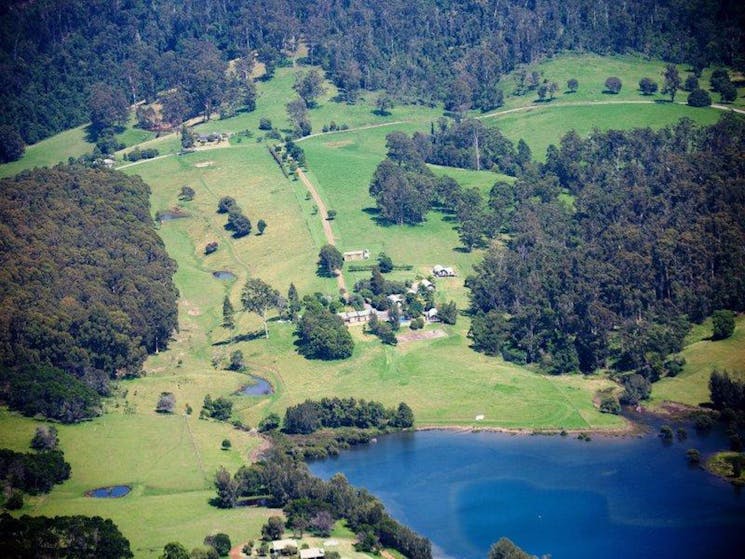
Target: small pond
column 260, row 387
column 223, row 275
column 113, row 491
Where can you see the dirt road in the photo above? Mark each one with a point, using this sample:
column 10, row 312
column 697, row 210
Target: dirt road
column 323, row 214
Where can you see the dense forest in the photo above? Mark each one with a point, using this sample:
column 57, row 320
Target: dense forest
column 85, row 282
column 612, row 247
column 62, row 61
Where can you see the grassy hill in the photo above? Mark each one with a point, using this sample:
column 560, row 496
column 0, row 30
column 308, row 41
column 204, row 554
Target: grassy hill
column 170, row 460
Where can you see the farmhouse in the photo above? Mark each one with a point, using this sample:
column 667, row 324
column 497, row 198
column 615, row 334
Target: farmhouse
column 355, row 317
column 431, row 315
column 312, row 553
column 363, row 254
column 443, row 272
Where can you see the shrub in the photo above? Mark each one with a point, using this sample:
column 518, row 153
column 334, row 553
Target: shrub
column 210, row 247
column 693, row 455
column 225, row 204
column 666, row 433
column 269, row 423
column 613, row 85
column 220, row 542
column 265, row 124
column 226, row 444
column 166, row 402
column 610, row 404
column 45, row 438
column 723, row 324
column 699, row 98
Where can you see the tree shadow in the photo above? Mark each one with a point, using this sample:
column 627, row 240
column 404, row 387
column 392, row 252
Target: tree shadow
column 247, row 337
column 378, row 112
column 662, row 101
column 461, row 250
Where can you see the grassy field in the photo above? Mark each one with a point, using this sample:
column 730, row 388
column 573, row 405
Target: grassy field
column 170, row 460
column 703, row 355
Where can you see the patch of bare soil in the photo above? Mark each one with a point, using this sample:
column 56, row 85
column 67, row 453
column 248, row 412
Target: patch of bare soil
column 204, row 164
column 419, row 335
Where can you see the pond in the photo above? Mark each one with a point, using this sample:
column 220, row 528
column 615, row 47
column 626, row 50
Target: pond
column 223, row 275
column 611, row 497
column 114, row 491
column 260, row 387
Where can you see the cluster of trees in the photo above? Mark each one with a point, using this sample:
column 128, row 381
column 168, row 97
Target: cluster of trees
column 722, row 84
column 651, row 240
column 220, row 408
column 322, row 334
column 51, row 392
column 238, row 223
column 310, row 416
column 727, row 393
column 33, row 472
column 136, row 154
column 418, row 50
column 405, row 189
column 311, row 503
column 72, row 537
column 86, row 281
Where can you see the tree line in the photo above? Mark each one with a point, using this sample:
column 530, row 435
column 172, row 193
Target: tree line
column 86, row 283
column 310, row 416
column 614, row 246
column 419, row 51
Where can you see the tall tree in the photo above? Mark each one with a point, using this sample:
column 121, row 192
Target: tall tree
column 309, row 87
column 107, row 107
column 259, row 297
column 330, row 260
column 228, row 314
column 672, row 81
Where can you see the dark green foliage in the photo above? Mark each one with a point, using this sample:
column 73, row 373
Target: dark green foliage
column 309, row 87
column 723, row 324
column 636, row 388
column 310, row 416
column 693, row 455
column 86, row 279
column 385, row 263
column 228, row 314
column 166, row 403
column 666, row 433
column 690, row 83
column 107, row 107
column 238, row 223
column 505, row 549
column 412, row 49
column 187, row 193
column 259, row 297
column 45, row 438
column 261, row 226
column 610, row 404
column 265, row 123
column 273, row 529
column 613, row 85
column 174, row 550
column 14, row 500
column 647, row 86
column 447, row 312
column 227, row 490
column 221, row 543
column 402, row 195
column 237, row 363
column 728, row 92
column 226, row 444
column 11, row 144
column 210, row 247
column 225, row 204
column 33, row 473
column 603, row 284
column 572, row 85
column 219, row 409
column 136, row 154
column 49, row 392
column 330, row 260
column 382, row 329
column 726, row 392
column 671, row 81
column 269, row 423
column 699, row 98
column 71, row 537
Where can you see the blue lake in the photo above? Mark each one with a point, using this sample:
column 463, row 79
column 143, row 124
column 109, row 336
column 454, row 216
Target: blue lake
column 260, row 387
column 609, row 498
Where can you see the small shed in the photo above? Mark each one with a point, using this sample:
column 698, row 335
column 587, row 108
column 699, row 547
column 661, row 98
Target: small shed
column 431, row 315
column 312, row 553
column 396, row 299
column 363, row 254
column 443, row 271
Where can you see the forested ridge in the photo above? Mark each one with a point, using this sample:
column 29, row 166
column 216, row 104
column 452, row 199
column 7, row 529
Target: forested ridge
column 85, row 282
column 54, row 54
column 613, row 247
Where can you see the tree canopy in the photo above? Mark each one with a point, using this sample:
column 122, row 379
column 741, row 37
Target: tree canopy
column 87, row 284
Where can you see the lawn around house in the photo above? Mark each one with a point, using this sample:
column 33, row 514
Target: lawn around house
column 170, row 461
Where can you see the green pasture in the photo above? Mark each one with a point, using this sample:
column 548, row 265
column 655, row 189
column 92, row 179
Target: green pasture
column 70, row 143
column 702, row 356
